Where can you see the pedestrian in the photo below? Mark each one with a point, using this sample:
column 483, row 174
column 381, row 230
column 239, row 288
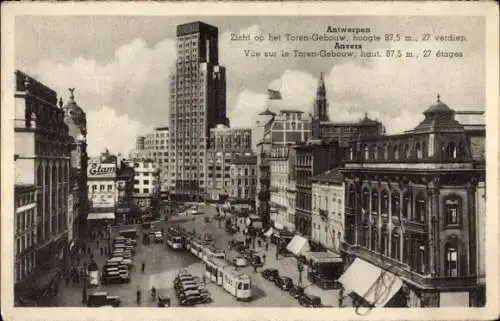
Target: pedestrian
column 259, row 242
column 101, row 251
column 276, row 254
column 138, row 294
column 255, row 268
column 264, row 258
column 267, row 246
column 143, row 267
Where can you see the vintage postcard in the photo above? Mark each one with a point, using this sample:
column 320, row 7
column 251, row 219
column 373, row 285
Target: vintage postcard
column 257, row 161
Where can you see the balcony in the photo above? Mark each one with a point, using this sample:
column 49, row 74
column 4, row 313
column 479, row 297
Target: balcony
column 349, row 210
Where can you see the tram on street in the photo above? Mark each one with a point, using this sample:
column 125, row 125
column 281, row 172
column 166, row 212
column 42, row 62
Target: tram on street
column 233, row 281
column 196, row 248
column 174, row 241
column 212, row 251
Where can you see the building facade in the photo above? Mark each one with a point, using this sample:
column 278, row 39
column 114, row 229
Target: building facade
column 42, row 160
column 281, row 162
column 225, row 145
column 125, row 212
column 243, row 174
column 25, row 232
column 76, row 120
column 328, row 210
column 289, row 127
column 312, row 158
column 197, row 103
column 146, row 184
column 101, row 185
column 411, row 204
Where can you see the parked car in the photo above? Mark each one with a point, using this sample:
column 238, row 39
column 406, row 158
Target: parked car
column 310, row 301
column 100, row 299
column 191, row 300
column 270, row 274
column 285, row 283
column 187, row 293
column 296, row 291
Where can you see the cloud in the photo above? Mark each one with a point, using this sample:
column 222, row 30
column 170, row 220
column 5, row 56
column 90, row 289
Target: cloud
column 128, row 93
column 108, row 129
column 134, row 83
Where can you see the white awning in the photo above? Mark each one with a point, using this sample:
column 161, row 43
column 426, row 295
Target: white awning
column 101, row 216
column 297, row 245
column 269, row 232
column 454, row 299
column 370, row 282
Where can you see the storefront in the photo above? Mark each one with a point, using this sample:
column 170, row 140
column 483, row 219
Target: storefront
column 324, row 268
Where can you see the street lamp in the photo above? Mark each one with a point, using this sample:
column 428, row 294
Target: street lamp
column 300, row 268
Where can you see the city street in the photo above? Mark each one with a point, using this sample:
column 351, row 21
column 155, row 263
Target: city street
column 162, row 264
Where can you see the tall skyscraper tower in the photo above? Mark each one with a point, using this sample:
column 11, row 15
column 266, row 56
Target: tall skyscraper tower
column 198, row 103
column 321, row 103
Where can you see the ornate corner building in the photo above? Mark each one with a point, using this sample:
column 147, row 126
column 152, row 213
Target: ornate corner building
column 415, row 210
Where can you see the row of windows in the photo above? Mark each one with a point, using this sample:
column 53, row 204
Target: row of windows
column 24, row 220
column 101, row 187
column 144, row 182
column 24, row 242
column 25, row 199
column 24, row 266
column 396, row 152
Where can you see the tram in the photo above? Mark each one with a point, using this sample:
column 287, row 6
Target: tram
column 212, row 251
column 196, row 247
column 233, row 281
column 174, row 241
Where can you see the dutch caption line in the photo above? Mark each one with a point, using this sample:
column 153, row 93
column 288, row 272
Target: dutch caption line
column 353, row 42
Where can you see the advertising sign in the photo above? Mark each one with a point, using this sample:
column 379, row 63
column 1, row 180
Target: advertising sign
column 98, row 170
column 103, row 200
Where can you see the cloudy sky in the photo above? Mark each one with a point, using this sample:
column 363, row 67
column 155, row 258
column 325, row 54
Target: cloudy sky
column 120, row 68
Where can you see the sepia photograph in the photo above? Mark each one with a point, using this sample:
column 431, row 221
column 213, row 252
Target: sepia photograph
column 249, row 158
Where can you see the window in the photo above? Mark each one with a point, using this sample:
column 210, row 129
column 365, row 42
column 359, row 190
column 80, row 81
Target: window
column 110, row 188
column 384, row 240
column 351, row 153
column 395, row 246
column 451, row 211
column 366, row 152
column 420, row 211
column 102, row 188
column 374, row 201
column 374, row 243
column 418, row 148
column 395, row 204
column 451, row 151
column 396, row 152
column 385, row 202
column 146, row 190
column 366, row 199
column 451, row 263
column 146, row 182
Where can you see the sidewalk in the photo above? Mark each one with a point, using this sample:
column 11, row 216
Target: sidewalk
column 287, row 266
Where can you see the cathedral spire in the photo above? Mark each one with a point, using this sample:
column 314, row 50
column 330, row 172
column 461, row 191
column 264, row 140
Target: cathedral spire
column 320, row 105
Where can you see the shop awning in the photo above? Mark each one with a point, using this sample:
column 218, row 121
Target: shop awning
column 298, row 245
column 101, row 216
column 323, row 257
column 269, row 232
column 373, row 284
